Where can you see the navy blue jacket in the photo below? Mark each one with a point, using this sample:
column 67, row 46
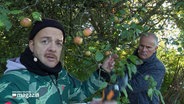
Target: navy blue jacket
column 152, row 67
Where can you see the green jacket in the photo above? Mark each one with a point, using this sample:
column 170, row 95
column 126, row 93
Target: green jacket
column 19, row 86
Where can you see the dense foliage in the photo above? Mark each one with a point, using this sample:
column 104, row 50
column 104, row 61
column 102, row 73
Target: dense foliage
column 116, row 26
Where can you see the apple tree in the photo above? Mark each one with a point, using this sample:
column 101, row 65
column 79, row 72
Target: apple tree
column 95, row 29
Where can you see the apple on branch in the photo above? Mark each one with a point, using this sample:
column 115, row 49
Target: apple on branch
column 87, row 32
column 87, row 53
column 25, row 22
column 78, row 40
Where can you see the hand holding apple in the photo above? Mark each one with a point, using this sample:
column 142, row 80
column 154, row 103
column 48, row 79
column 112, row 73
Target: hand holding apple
column 109, row 62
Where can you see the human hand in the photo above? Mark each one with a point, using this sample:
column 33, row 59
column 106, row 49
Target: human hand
column 109, row 62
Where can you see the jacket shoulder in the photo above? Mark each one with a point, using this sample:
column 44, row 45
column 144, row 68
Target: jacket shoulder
column 14, row 77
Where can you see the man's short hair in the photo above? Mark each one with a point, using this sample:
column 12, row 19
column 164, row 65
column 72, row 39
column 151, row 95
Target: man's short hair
column 151, row 34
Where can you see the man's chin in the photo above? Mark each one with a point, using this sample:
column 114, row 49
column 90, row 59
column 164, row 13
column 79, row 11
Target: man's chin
column 51, row 65
column 142, row 57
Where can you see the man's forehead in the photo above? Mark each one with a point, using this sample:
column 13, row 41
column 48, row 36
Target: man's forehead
column 49, row 36
column 147, row 41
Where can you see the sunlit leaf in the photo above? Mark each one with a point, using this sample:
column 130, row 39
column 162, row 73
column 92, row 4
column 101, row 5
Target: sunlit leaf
column 37, row 16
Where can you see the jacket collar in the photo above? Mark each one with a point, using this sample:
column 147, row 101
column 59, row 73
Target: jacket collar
column 38, row 67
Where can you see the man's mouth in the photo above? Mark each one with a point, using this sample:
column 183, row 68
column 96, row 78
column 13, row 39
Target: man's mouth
column 143, row 54
column 51, row 57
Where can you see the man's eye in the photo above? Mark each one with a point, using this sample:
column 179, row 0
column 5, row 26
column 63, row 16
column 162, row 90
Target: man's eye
column 148, row 47
column 45, row 41
column 60, row 44
column 141, row 46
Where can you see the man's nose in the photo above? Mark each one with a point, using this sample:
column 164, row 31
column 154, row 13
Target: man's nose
column 144, row 49
column 52, row 47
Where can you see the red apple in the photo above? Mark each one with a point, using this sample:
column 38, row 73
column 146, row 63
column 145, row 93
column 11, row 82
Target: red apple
column 78, row 40
column 25, row 22
column 87, row 31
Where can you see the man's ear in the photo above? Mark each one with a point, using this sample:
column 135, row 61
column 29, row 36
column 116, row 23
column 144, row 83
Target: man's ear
column 156, row 48
column 31, row 43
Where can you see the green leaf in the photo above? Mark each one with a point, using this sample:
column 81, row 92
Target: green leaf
column 133, row 68
column 129, row 71
column 175, row 43
column 7, row 3
column 146, row 77
column 5, row 22
column 125, row 92
column 92, row 49
column 144, row 9
column 99, row 56
column 129, row 86
column 8, row 25
column 113, row 78
column 133, row 25
column 139, row 62
column 180, row 49
column 145, row 28
column 132, row 58
column 16, row 11
column 107, row 47
column 138, row 31
column 122, row 12
column 154, row 84
column 150, row 93
column 161, row 97
column 37, row 16
column 79, row 33
column 115, row 1
column 1, row 23
column 4, row 10
column 157, row 92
